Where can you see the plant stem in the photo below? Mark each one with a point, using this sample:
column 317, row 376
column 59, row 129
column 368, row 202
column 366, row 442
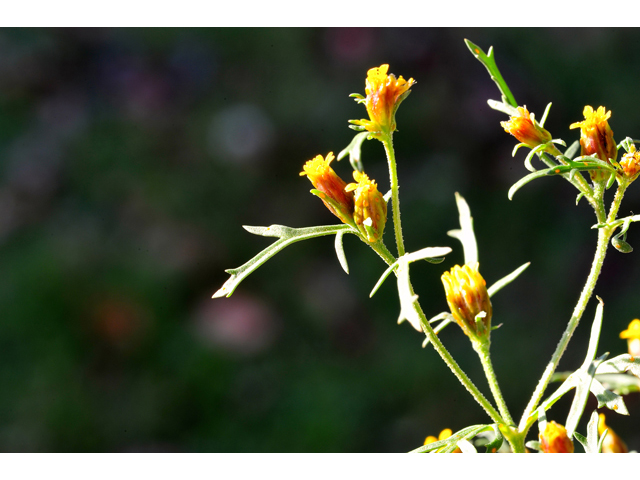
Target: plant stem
column 384, row 253
column 395, row 202
column 604, row 235
column 578, row 181
column 485, row 359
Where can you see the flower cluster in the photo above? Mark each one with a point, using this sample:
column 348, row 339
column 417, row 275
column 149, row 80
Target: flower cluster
column 358, row 204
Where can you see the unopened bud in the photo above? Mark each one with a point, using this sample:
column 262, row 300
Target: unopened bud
column 524, row 127
column 597, row 137
column 468, row 299
column 370, row 210
column 331, row 187
column 632, row 334
column 554, row 439
column 612, row 443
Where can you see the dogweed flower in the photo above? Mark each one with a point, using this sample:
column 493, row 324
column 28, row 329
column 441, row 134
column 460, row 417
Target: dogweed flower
column 632, row 334
column 612, row 442
column 554, row 439
column 384, row 92
column 630, row 162
column 597, row 137
column 331, row 187
column 468, row 298
column 370, row 210
column 444, row 434
column 525, row 128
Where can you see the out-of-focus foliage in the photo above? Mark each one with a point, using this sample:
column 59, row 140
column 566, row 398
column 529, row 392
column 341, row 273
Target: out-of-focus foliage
column 129, row 159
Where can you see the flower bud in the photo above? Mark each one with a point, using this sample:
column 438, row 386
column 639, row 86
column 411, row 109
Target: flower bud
column 467, row 297
column 597, row 137
column 632, row 334
column 554, row 439
column 612, row 443
column 331, row 187
column 370, row 211
column 524, row 127
column 384, row 95
column 444, row 434
column 630, row 163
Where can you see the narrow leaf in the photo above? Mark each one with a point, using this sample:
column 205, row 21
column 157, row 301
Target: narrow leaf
column 595, row 335
column 572, row 150
column 354, row 151
column 490, row 64
column 545, row 115
column 524, row 180
column 621, row 364
column 382, row 278
column 340, row 252
column 504, row 281
column 465, row 234
column 607, row 398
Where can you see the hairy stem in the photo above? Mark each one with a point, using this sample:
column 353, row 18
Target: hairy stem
column 440, row 348
column 485, row 359
column 604, row 235
column 395, row 198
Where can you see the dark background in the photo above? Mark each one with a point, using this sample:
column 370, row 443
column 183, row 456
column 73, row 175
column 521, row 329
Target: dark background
column 131, row 158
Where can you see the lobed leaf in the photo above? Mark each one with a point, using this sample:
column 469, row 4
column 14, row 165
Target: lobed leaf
column 287, row 236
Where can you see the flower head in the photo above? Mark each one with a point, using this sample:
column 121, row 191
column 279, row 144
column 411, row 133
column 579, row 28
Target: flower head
column 444, row 434
column 467, row 297
column 554, row 439
column 630, row 162
column 632, row 334
column 384, row 92
column 597, row 137
column 330, row 186
column 612, row 443
column 370, row 210
column 524, row 127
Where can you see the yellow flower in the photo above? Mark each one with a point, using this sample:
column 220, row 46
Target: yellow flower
column 384, row 95
column 444, row 434
column 597, row 137
column 524, row 127
column 370, row 211
column 331, row 187
column 467, row 297
column 632, row 334
column 554, row 439
column 630, row 162
column 612, row 443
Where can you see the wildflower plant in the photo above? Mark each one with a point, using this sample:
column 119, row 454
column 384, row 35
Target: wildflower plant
column 362, row 210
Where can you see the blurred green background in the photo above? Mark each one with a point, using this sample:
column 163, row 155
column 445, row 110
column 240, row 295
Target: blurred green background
column 131, row 158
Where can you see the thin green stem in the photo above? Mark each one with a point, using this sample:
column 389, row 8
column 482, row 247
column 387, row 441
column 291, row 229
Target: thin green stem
column 604, row 235
column 384, row 253
column 485, row 359
column 395, row 198
column 577, row 181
